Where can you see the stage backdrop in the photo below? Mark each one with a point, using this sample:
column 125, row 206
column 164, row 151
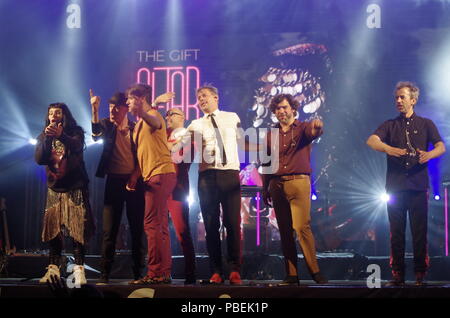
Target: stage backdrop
column 340, row 59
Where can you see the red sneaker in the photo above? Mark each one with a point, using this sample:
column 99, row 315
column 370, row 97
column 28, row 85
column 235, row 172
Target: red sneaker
column 216, row 279
column 235, row 278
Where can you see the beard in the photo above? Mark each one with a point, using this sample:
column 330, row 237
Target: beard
column 285, row 119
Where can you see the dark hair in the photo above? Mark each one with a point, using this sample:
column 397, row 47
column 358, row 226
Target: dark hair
column 69, row 123
column 140, row 90
column 119, row 99
column 279, row 98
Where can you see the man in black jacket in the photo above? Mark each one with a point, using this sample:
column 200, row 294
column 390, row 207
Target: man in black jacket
column 123, row 183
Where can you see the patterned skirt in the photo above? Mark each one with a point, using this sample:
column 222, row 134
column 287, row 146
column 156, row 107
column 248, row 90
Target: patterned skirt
column 68, row 213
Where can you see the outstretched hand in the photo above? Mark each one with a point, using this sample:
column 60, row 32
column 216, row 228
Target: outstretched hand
column 164, row 98
column 58, row 287
column 316, row 126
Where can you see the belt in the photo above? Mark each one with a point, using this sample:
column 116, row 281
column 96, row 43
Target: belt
column 293, row 177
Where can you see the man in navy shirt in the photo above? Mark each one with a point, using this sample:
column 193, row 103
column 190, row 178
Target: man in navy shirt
column 405, row 140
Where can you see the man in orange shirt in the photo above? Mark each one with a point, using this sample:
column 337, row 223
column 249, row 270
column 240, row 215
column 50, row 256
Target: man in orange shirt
column 159, row 177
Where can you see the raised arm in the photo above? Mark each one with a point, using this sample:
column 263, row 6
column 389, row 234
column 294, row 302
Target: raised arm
column 97, row 128
column 164, row 98
column 153, row 121
column 95, row 104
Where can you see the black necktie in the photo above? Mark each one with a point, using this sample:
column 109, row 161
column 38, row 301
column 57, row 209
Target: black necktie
column 223, row 154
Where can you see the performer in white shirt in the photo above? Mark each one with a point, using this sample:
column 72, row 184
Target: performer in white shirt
column 218, row 182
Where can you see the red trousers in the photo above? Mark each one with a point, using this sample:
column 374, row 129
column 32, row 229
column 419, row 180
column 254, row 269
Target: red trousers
column 156, row 226
column 179, row 212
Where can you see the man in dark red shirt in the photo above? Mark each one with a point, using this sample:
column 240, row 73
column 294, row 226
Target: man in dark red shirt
column 289, row 188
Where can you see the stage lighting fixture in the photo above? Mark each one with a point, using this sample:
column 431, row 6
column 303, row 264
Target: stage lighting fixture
column 437, row 197
column 385, row 197
column 314, row 197
column 32, row 141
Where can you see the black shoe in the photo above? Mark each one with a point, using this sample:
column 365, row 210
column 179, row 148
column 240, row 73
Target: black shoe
column 398, row 280
column 190, row 280
column 420, row 276
column 395, row 283
column 103, row 280
column 289, row 281
column 136, row 273
column 319, row 278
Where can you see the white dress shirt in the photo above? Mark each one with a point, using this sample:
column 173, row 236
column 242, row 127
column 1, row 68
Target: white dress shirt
column 228, row 124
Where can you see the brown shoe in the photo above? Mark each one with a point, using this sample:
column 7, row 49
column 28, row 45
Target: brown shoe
column 289, row 280
column 161, row 280
column 420, row 276
column 141, row 281
column 398, row 279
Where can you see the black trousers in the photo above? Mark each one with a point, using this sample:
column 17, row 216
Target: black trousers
column 116, row 196
column 56, row 246
column 221, row 188
column 415, row 205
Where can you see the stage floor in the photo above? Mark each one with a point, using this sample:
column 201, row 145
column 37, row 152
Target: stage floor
column 119, row 288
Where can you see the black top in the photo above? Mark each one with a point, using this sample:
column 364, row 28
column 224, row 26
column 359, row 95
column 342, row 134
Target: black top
column 406, row 173
column 107, row 130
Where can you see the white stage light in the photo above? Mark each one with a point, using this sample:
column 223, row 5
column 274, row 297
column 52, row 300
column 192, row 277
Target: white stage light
column 385, row 197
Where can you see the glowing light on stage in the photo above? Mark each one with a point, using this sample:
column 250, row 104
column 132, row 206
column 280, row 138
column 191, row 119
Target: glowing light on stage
column 190, row 198
column 385, row 197
column 314, row 197
column 32, row 141
column 15, row 130
column 174, row 33
column 90, row 141
column 437, row 197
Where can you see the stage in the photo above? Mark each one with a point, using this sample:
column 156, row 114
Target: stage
column 347, row 273
column 119, row 288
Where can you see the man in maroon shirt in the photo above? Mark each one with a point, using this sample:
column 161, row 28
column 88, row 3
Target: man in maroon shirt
column 289, row 188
